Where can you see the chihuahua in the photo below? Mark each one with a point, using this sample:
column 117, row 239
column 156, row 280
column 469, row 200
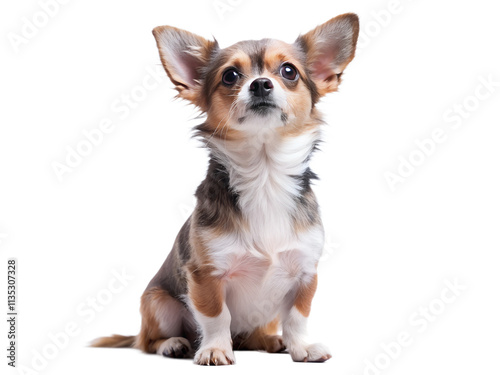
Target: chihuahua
column 245, row 263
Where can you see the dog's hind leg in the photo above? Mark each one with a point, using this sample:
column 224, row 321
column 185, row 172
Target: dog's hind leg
column 166, row 325
column 262, row 338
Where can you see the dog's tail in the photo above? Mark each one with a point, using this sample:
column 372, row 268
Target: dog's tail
column 115, row 341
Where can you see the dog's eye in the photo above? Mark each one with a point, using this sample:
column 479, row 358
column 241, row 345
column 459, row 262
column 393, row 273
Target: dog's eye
column 288, row 72
column 230, row 77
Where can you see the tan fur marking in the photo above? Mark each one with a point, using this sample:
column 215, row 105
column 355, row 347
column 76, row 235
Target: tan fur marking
column 218, row 116
column 262, row 338
column 205, row 290
column 150, row 334
column 239, row 59
column 305, row 295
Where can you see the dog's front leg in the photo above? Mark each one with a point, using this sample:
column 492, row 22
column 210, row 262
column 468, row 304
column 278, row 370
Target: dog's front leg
column 206, row 294
column 294, row 326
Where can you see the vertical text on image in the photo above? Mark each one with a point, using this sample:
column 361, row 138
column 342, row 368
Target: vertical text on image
column 11, row 311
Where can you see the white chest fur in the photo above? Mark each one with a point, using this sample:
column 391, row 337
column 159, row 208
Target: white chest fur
column 265, row 262
column 258, row 285
column 264, row 172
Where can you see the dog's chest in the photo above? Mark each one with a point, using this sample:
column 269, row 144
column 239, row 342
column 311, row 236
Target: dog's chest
column 256, row 289
column 260, row 284
column 267, row 180
column 264, row 260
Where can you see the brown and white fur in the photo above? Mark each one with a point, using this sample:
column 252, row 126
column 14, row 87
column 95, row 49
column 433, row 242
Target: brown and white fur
column 245, row 262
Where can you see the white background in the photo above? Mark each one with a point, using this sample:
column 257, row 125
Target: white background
column 388, row 252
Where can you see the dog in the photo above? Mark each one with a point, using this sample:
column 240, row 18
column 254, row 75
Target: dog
column 245, row 262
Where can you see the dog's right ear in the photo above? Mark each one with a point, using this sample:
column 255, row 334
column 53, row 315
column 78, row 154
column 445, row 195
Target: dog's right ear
column 183, row 55
column 329, row 48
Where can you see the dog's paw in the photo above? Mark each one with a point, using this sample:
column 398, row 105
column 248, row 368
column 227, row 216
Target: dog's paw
column 274, row 344
column 310, row 353
column 175, row 347
column 207, row 356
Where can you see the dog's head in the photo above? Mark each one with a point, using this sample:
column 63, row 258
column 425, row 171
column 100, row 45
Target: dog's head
column 255, row 83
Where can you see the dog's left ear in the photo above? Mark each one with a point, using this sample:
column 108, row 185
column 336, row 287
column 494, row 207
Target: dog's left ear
column 183, row 55
column 329, row 48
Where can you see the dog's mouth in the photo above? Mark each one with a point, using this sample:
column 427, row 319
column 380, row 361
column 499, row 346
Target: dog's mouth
column 259, row 108
column 262, row 107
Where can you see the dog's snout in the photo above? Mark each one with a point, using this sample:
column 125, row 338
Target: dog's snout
column 261, row 87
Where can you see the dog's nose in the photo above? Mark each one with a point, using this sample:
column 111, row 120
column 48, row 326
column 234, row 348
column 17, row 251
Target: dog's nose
column 261, row 87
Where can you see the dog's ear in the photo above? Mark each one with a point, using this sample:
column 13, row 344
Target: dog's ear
column 183, row 56
column 329, row 48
